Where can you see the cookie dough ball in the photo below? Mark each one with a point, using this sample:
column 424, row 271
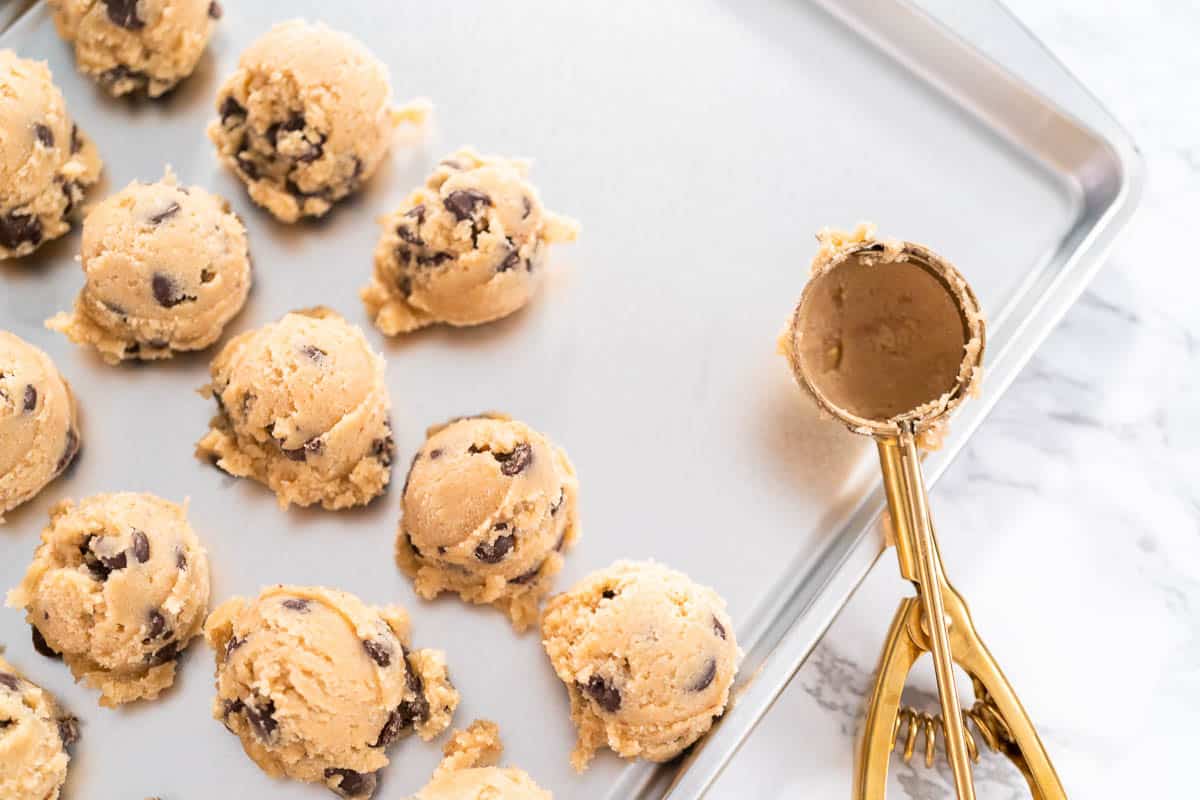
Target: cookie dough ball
column 39, row 423
column 489, row 507
column 118, row 587
column 467, row 248
column 647, row 657
column 46, row 162
column 306, row 118
column 302, row 407
column 34, row 735
column 136, row 45
column 317, row 684
column 469, row 771
column 165, row 267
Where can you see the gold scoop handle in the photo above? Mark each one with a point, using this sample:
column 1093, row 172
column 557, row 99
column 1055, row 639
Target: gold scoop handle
column 1012, row 732
column 901, row 466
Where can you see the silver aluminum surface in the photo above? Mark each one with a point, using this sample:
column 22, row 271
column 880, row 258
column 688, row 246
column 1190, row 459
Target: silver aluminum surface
column 701, row 143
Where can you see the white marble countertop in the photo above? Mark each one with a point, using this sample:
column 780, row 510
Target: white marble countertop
column 1072, row 521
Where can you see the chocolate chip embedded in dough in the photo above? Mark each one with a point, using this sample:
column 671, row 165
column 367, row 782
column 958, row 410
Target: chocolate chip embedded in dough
column 607, row 696
column 705, row 678
column 124, row 14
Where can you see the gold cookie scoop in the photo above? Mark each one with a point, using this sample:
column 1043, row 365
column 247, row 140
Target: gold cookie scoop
column 889, row 339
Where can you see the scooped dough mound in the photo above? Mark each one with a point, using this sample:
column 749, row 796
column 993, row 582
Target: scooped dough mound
column 489, row 507
column 302, row 407
column 46, row 162
column 468, row 247
column 306, row 118
column 118, row 587
column 165, row 268
column 469, row 771
column 34, row 736
column 317, row 684
column 136, row 45
column 647, row 657
column 39, row 423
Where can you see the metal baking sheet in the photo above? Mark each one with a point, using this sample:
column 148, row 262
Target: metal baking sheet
column 701, row 143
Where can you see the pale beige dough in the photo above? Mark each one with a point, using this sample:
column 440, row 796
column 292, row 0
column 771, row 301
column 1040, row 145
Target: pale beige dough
column 165, row 268
column 35, row 733
column 489, row 507
column 647, row 656
column 136, row 45
column 469, row 772
column 39, row 422
column 118, row 587
column 468, row 247
column 302, row 407
column 317, row 684
column 46, row 162
column 306, row 118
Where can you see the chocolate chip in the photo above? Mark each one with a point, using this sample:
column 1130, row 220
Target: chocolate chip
column 391, row 730
column 30, row 398
column 168, row 653
column 17, row 229
column 232, row 644
column 562, row 498
column 40, row 645
column 69, row 450
column 141, row 547
column 214, row 10
column 351, row 784
column 68, row 730
column 435, row 453
column 417, row 212
column 43, row 134
column 433, row 259
column 5, row 724
column 313, row 352
column 381, row 450
column 409, row 712
column 123, row 74
column 294, row 190
column 10, row 682
column 704, row 678
column 157, row 624
column 162, row 216
column 235, row 706
column 298, row 604
column 379, row 652
column 718, row 628
column 100, row 566
column 207, row 275
column 526, row 577
column 124, row 13
column 76, row 140
column 231, row 108
column 409, row 236
column 511, row 260
column 261, row 716
column 517, row 461
column 314, row 446
column 494, row 552
column 608, row 594
column 247, row 400
column 294, row 455
column 180, row 558
column 248, row 167
column 527, row 206
column 607, row 696
column 463, row 202
column 167, row 292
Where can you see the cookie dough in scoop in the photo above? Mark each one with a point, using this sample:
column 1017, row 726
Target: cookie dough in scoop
column 468, row 247
column 647, row 657
column 118, row 587
column 490, row 505
column 46, row 162
column 306, row 118
column 317, row 684
column 136, row 45
column 165, row 268
column 35, row 733
column 302, row 407
column 469, row 771
column 39, row 423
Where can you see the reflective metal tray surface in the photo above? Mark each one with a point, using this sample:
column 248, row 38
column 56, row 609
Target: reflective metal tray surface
column 701, row 143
